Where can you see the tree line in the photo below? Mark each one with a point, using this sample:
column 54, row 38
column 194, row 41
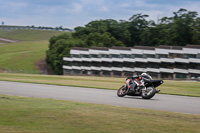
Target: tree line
column 180, row 29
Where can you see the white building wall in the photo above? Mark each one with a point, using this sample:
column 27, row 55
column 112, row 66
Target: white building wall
column 135, row 60
column 161, row 51
column 136, row 51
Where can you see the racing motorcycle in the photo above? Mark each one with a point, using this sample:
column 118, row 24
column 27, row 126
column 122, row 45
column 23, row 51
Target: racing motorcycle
column 145, row 88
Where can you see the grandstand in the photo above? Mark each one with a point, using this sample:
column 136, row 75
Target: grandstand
column 166, row 62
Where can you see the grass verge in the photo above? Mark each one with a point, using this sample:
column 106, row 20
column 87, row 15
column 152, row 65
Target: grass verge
column 35, row 115
column 185, row 88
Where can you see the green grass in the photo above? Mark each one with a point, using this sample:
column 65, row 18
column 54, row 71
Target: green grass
column 185, row 88
column 2, row 41
column 28, row 35
column 24, row 54
column 35, row 115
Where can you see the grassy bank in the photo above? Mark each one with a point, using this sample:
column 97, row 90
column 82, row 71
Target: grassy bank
column 28, row 35
column 186, row 88
column 34, row 115
column 30, row 48
column 22, row 55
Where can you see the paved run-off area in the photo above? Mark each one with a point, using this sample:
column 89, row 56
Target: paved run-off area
column 172, row 103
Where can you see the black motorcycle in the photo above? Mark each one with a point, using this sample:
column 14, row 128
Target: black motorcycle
column 146, row 91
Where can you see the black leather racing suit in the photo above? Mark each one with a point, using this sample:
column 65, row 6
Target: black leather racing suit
column 138, row 80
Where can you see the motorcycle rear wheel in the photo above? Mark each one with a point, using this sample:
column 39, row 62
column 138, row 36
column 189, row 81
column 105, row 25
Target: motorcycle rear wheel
column 122, row 91
column 148, row 93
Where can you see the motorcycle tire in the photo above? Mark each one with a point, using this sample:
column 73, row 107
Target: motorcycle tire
column 148, row 93
column 122, row 91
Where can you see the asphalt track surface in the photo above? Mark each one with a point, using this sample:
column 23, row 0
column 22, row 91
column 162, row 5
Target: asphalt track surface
column 172, row 103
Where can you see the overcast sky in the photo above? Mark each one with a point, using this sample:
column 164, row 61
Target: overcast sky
column 73, row 13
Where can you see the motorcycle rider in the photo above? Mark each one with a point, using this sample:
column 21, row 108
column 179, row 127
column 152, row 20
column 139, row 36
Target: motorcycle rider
column 139, row 80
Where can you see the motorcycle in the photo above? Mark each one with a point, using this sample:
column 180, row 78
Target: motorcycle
column 146, row 91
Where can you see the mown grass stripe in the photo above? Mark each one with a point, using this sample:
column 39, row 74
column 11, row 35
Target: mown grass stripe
column 32, row 115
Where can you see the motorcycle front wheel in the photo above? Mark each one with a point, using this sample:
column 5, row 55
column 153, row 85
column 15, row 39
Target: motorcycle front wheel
column 122, row 91
column 148, row 93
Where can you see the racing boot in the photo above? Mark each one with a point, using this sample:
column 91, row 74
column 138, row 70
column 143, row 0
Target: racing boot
column 157, row 91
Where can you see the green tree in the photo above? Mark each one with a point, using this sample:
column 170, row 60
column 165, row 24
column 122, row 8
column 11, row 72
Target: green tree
column 61, row 48
column 180, row 29
column 183, row 21
column 138, row 24
column 196, row 31
column 102, row 40
column 53, row 39
column 120, row 31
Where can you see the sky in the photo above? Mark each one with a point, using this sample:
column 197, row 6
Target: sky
column 73, row 13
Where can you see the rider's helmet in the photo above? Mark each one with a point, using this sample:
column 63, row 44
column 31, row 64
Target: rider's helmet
column 146, row 75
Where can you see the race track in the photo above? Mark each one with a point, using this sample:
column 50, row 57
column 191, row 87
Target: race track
column 172, row 103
